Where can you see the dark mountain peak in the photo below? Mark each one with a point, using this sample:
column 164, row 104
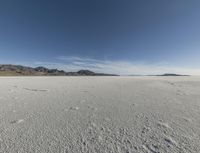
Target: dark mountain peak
column 85, row 72
column 172, row 74
column 10, row 67
column 41, row 69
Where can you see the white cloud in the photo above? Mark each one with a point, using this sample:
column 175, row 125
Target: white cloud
column 116, row 67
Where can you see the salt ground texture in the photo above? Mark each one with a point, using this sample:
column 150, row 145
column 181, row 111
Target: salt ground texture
column 100, row 114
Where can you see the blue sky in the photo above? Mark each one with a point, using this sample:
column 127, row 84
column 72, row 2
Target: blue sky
column 113, row 36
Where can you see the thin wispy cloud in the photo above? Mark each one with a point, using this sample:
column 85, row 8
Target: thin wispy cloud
column 73, row 63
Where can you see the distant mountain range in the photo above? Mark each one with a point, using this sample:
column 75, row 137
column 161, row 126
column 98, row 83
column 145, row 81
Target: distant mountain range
column 171, row 74
column 166, row 74
column 18, row 70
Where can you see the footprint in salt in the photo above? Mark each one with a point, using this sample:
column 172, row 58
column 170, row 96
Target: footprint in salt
column 82, row 101
column 152, row 148
column 107, row 119
column 20, row 121
column 93, row 124
column 11, row 90
column 74, row 108
column 187, row 119
column 100, row 138
column 42, row 90
column 180, row 93
column 15, row 98
column 146, row 129
column 92, row 108
column 170, row 141
column 134, row 105
column 164, row 125
column 17, row 121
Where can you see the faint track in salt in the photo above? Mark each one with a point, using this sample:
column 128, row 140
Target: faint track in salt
column 29, row 89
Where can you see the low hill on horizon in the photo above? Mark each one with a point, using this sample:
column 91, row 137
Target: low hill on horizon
column 18, row 70
column 172, row 74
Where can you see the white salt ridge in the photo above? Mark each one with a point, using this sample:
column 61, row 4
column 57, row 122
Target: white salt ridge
column 20, row 121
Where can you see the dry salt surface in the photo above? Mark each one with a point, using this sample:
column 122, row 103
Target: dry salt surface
column 100, row 114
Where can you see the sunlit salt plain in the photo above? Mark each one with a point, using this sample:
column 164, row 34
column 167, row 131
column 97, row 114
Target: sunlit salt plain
column 99, row 114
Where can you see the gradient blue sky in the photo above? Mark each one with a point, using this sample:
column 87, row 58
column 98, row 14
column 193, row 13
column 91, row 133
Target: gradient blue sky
column 116, row 36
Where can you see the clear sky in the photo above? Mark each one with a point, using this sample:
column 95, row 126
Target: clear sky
column 114, row 36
